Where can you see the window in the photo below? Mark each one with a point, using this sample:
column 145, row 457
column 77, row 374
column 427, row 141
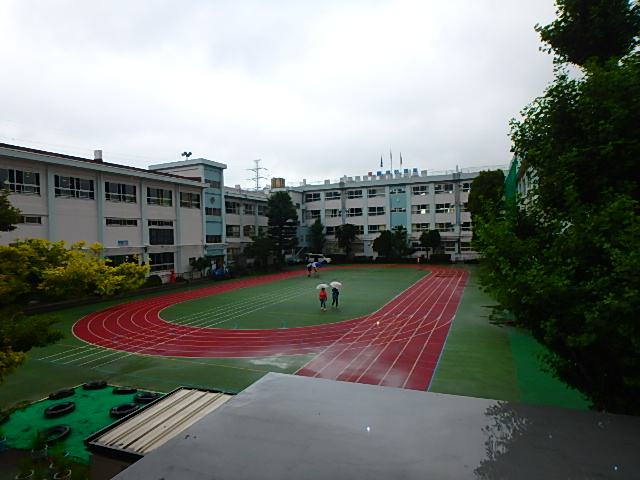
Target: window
column 332, row 195
column 354, row 193
column 398, row 210
column 159, row 196
column 418, row 246
column 444, row 227
column 395, row 191
column 121, row 222
column 161, row 236
column 466, row 187
column 443, row 188
column 465, row 227
column 120, row 259
column 377, row 228
column 233, row 231
column 263, row 229
column 465, row 247
column 232, row 207
column 312, row 197
column 420, row 209
column 354, row 212
column 31, row 220
column 216, row 212
column 376, row 211
column 249, row 230
column 123, row 243
column 419, row 227
column 73, row 187
column 119, row 192
column 449, row 246
column 444, row 208
column 262, row 210
column 20, row 181
column 420, row 190
column 463, row 207
column 360, row 230
column 331, row 231
column 213, row 183
column 189, row 200
column 249, row 209
column 160, row 223
column 332, row 213
column 213, row 239
column 313, row 214
column 375, row 192
column 161, row 261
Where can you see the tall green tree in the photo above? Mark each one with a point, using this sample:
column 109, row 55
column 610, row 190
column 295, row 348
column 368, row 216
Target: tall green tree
column 345, row 236
column 261, row 247
column 9, row 215
column 384, row 244
column 565, row 262
column 430, row 239
column 283, row 223
column 318, row 237
column 596, row 30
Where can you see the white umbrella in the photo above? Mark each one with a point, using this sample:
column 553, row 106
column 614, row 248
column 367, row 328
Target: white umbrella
column 337, row 285
column 322, row 285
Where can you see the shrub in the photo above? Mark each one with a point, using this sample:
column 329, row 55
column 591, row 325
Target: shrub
column 153, row 281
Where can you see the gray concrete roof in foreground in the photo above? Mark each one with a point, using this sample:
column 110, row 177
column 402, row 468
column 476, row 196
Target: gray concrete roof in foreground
column 290, row 427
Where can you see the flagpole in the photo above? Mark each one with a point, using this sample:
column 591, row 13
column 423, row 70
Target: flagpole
column 391, row 158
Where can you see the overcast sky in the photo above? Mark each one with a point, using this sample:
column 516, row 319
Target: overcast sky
column 316, row 89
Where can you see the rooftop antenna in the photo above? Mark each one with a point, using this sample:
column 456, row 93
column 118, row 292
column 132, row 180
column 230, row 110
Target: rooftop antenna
column 186, row 155
column 257, row 177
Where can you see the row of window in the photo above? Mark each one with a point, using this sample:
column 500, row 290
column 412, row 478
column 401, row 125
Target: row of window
column 233, row 231
column 249, row 208
column 380, row 192
column 19, row 181
column 373, row 211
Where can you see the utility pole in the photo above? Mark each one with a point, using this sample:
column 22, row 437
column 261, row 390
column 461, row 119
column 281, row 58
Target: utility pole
column 257, row 177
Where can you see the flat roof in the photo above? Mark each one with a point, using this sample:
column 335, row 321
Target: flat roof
column 292, row 427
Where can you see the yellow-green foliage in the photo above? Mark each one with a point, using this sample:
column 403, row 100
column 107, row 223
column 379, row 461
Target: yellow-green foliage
column 37, row 266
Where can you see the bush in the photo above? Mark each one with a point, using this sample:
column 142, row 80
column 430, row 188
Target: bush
column 152, row 281
column 440, row 258
column 181, row 280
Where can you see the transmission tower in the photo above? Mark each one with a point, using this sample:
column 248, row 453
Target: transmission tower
column 257, row 177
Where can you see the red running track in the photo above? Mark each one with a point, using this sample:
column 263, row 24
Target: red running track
column 397, row 346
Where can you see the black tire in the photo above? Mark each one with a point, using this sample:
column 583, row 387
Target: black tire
column 123, row 410
column 124, row 390
column 59, row 409
column 60, row 394
column 95, row 385
column 56, row 434
column 145, row 397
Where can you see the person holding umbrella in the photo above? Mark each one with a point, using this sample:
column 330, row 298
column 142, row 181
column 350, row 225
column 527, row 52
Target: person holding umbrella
column 335, row 293
column 323, row 297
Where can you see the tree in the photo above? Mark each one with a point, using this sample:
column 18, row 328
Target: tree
column 318, row 238
column 401, row 241
column 9, row 215
column 383, row 244
column 261, row 247
column 283, row 222
column 430, row 239
column 565, row 261
column 36, row 269
column 345, row 235
column 592, row 30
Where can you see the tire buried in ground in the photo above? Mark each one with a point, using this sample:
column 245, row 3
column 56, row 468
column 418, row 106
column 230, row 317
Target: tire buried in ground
column 145, row 397
column 124, row 390
column 56, row 434
column 123, row 410
column 94, row 385
column 60, row 394
column 59, row 409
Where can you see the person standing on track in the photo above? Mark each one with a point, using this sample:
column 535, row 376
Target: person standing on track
column 323, row 299
column 335, row 293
